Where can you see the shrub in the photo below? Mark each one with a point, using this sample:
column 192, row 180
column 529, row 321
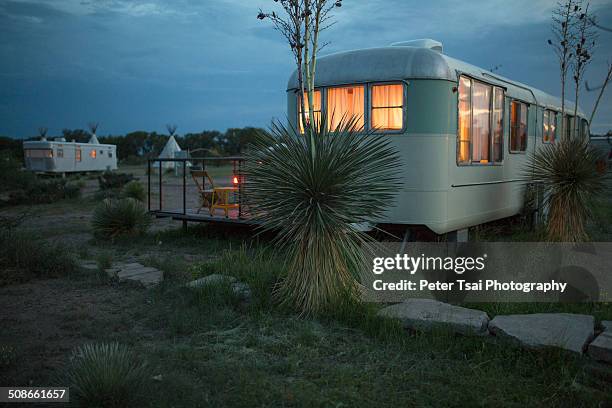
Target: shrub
column 111, row 180
column 133, row 160
column 568, row 173
column 11, row 174
column 328, row 181
column 106, row 375
column 22, row 257
column 45, row 192
column 126, row 216
column 134, row 189
column 8, row 356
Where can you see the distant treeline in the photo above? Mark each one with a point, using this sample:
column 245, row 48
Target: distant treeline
column 140, row 145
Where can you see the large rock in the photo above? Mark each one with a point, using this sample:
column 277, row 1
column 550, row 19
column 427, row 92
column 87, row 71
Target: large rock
column 601, row 347
column 214, row 279
column 568, row 331
column 427, row 314
column 606, row 325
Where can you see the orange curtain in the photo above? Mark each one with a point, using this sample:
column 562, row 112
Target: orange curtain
column 387, row 107
column 481, row 122
column 345, row 103
column 465, row 119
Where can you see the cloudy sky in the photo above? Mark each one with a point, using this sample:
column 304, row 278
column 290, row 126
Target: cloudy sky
column 210, row 64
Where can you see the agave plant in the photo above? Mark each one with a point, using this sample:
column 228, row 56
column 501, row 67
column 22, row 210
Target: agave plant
column 135, row 190
column 126, row 216
column 105, row 375
column 568, row 173
column 312, row 191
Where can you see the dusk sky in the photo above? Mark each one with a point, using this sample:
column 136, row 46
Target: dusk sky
column 210, row 64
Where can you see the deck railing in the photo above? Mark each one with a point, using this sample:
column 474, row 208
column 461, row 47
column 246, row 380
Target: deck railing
column 170, row 187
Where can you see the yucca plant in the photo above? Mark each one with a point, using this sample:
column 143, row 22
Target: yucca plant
column 568, row 173
column 126, row 216
column 134, row 189
column 312, row 191
column 105, row 375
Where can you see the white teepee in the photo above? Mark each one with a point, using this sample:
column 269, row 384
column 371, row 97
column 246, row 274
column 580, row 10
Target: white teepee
column 93, row 139
column 169, row 152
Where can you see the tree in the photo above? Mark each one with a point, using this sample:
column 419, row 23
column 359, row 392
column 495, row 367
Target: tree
column 585, row 42
column 564, row 40
column 304, row 21
column 601, row 91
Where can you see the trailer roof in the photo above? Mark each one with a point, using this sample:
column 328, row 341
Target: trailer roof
column 395, row 63
column 49, row 143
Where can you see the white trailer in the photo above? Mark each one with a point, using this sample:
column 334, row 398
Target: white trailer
column 60, row 156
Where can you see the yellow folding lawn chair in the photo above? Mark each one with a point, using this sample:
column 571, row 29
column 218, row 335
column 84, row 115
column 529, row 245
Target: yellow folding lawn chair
column 206, row 193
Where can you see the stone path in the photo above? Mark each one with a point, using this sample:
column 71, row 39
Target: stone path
column 136, row 272
column 601, row 348
column 572, row 332
column 426, row 314
column 568, row 331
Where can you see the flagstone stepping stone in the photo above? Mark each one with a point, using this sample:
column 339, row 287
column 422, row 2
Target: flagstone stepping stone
column 601, row 347
column 564, row 330
column 133, row 271
column 214, row 279
column 88, row 265
column 428, row 314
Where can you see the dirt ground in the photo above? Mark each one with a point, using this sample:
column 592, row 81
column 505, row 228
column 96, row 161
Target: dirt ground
column 51, row 317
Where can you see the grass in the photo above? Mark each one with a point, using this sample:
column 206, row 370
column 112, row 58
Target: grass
column 221, row 356
column 105, row 376
column 211, row 349
column 24, row 256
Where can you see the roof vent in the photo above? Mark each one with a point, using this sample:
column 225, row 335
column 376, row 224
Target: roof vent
column 422, row 43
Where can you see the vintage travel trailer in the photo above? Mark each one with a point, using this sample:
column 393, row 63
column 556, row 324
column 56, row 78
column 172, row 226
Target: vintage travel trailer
column 60, row 156
column 464, row 134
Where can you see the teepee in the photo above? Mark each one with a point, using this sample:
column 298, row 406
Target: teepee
column 93, row 127
column 169, row 152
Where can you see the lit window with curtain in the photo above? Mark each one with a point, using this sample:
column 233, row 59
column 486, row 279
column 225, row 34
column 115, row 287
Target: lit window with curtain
column 498, row 124
column 480, row 136
column 316, row 111
column 345, row 103
column 481, row 122
column 465, row 120
column 518, row 126
column 549, row 126
column 387, row 107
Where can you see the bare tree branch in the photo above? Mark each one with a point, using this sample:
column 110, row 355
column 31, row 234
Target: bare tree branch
column 601, row 91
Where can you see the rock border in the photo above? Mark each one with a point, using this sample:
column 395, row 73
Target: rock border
column 567, row 331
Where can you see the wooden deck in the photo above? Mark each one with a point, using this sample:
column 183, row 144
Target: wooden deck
column 204, row 216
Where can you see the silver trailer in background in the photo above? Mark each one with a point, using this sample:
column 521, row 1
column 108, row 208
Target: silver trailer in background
column 60, row 156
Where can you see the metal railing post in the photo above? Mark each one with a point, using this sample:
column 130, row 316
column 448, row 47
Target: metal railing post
column 184, row 192
column 149, row 184
column 160, row 185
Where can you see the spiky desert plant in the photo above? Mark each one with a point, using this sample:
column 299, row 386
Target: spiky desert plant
column 312, row 195
column 105, row 375
column 568, row 173
column 126, row 216
column 134, row 189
